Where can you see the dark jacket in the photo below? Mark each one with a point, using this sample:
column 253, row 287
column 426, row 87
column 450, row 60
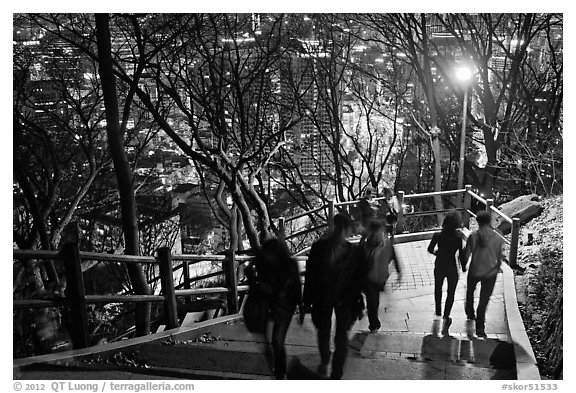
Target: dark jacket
column 367, row 211
column 377, row 253
column 448, row 244
column 280, row 281
column 333, row 276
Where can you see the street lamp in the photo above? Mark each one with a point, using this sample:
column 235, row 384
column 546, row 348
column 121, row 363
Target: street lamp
column 464, row 75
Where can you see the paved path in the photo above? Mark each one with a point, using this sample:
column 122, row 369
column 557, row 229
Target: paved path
column 408, row 345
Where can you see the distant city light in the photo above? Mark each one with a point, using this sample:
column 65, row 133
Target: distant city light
column 515, row 42
column 239, row 40
column 309, row 41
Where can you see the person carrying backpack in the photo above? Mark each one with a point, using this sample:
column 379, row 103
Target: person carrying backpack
column 486, row 249
column 389, row 211
column 368, row 209
column 274, row 277
column 378, row 252
column 333, row 286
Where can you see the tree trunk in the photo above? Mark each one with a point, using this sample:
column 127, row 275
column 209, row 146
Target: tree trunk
column 122, row 169
column 435, row 132
column 244, row 210
column 239, row 231
column 234, row 237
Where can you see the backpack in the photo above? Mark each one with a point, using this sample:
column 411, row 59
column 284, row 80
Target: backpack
column 388, row 212
column 257, row 305
column 379, row 258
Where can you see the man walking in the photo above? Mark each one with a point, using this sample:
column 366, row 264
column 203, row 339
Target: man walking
column 333, row 285
column 367, row 208
column 486, row 249
column 377, row 253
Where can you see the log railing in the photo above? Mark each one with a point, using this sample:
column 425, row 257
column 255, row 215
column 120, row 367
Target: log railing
column 464, row 195
column 77, row 299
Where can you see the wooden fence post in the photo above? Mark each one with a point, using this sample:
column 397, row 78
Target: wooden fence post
column 513, row 257
column 186, row 274
column 167, row 280
column 489, row 203
column 282, row 227
column 76, row 295
column 229, row 266
column 331, row 213
column 400, row 222
column 467, row 206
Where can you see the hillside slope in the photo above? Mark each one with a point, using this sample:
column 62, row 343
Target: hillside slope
column 540, row 287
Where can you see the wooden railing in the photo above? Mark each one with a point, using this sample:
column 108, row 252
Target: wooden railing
column 77, row 299
column 465, row 201
column 314, row 214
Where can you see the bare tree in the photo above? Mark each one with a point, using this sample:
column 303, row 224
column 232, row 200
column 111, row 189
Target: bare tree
column 407, row 34
column 57, row 143
column 500, row 48
column 124, row 175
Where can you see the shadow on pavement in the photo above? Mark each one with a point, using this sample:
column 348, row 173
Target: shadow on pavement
column 296, row 370
column 487, row 352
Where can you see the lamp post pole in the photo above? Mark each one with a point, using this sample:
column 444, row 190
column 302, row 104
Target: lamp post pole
column 464, row 74
column 463, row 140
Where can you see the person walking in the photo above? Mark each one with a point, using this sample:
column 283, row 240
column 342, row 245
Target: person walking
column 279, row 280
column 378, row 252
column 333, row 286
column 368, row 209
column 444, row 245
column 389, row 210
column 485, row 246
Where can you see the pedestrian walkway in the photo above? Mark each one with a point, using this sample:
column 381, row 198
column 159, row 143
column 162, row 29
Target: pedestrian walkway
column 408, row 345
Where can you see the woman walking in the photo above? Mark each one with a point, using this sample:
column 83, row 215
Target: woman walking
column 449, row 242
column 486, row 249
column 280, row 282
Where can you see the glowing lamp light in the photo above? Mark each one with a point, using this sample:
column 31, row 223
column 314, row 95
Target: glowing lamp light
column 463, row 74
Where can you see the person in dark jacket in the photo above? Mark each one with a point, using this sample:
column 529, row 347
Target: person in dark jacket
column 333, row 285
column 389, row 210
column 378, row 252
column 448, row 242
column 368, row 209
column 280, row 281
